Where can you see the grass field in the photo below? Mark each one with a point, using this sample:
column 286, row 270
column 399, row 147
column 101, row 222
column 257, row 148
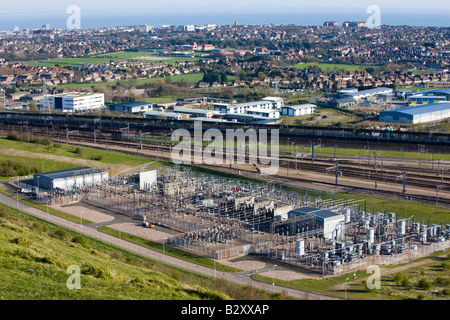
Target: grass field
column 333, row 66
column 107, row 57
column 36, row 154
column 401, row 208
column 36, row 164
column 188, row 78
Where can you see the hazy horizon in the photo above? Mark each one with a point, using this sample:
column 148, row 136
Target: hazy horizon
column 28, row 14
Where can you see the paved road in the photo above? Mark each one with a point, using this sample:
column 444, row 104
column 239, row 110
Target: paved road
column 241, row 278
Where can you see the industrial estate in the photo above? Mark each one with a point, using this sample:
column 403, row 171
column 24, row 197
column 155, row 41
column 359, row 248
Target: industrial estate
column 352, row 126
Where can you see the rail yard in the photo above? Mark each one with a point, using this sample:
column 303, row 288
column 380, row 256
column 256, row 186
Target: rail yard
column 300, row 162
column 224, row 217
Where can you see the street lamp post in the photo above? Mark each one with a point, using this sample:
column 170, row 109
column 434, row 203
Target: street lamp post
column 215, row 253
column 273, row 277
column 346, row 289
column 120, row 234
column 164, row 250
column 81, row 220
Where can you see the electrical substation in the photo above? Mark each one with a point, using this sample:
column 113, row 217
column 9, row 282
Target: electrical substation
column 222, row 217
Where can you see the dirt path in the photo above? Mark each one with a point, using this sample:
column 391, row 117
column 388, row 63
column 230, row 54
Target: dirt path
column 85, row 213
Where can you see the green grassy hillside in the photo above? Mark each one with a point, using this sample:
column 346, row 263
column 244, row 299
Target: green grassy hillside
column 35, row 256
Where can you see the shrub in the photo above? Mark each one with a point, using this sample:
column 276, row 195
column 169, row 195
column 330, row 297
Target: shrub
column 398, row 277
column 94, row 271
column 78, row 151
column 446, row 292
column 43, row 260
column 97, row 157
column 39, row 227
column 116, row 255
column 3, row 212
column 406, row 283
column 420, row 297
column 80, row 240
column 424, row 284
column 61, row 234
column 441, row 281
column 9, row 168
column 13, row 136
column 21, row 241
column 176, row 275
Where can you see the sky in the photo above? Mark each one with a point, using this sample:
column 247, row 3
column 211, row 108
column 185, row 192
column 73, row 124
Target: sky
column 33, row 14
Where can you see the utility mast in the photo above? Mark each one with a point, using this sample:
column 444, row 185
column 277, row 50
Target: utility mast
column 45, row 104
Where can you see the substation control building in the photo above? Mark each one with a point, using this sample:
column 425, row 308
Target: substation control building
column 330, row 222
column 70, row 179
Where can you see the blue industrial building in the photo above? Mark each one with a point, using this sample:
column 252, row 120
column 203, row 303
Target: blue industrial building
column 430, row 96
column 417, row 113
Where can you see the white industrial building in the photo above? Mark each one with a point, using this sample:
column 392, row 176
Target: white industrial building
column 277, row 102
column 148, row 179
column 417, row 113
column 298, row 110
column 70, row 179
column 192, row 112
column 165, row 115
column 365, row 94
column 131, row 107
column 72, row 102
column 271, row 114
column 269, row 107
column 331, row 222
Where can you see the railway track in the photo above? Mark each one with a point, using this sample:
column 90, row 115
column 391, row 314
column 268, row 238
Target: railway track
column 390, row 174
column 420, row 181
column 375, row 172
column 378, row 139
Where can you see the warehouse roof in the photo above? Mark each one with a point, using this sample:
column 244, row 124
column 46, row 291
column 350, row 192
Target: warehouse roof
column 301, row 106
column 192, row 110
column 67, row 173
column 424, row 108
column 444, row 91
column 320, row 214
column 132, row 104
column 369, row 91
column 162, row 113
column 348, row 99
column 251, row 103
column 273, row 99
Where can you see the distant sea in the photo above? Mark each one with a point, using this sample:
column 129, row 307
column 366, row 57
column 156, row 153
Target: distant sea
column 59, row 20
